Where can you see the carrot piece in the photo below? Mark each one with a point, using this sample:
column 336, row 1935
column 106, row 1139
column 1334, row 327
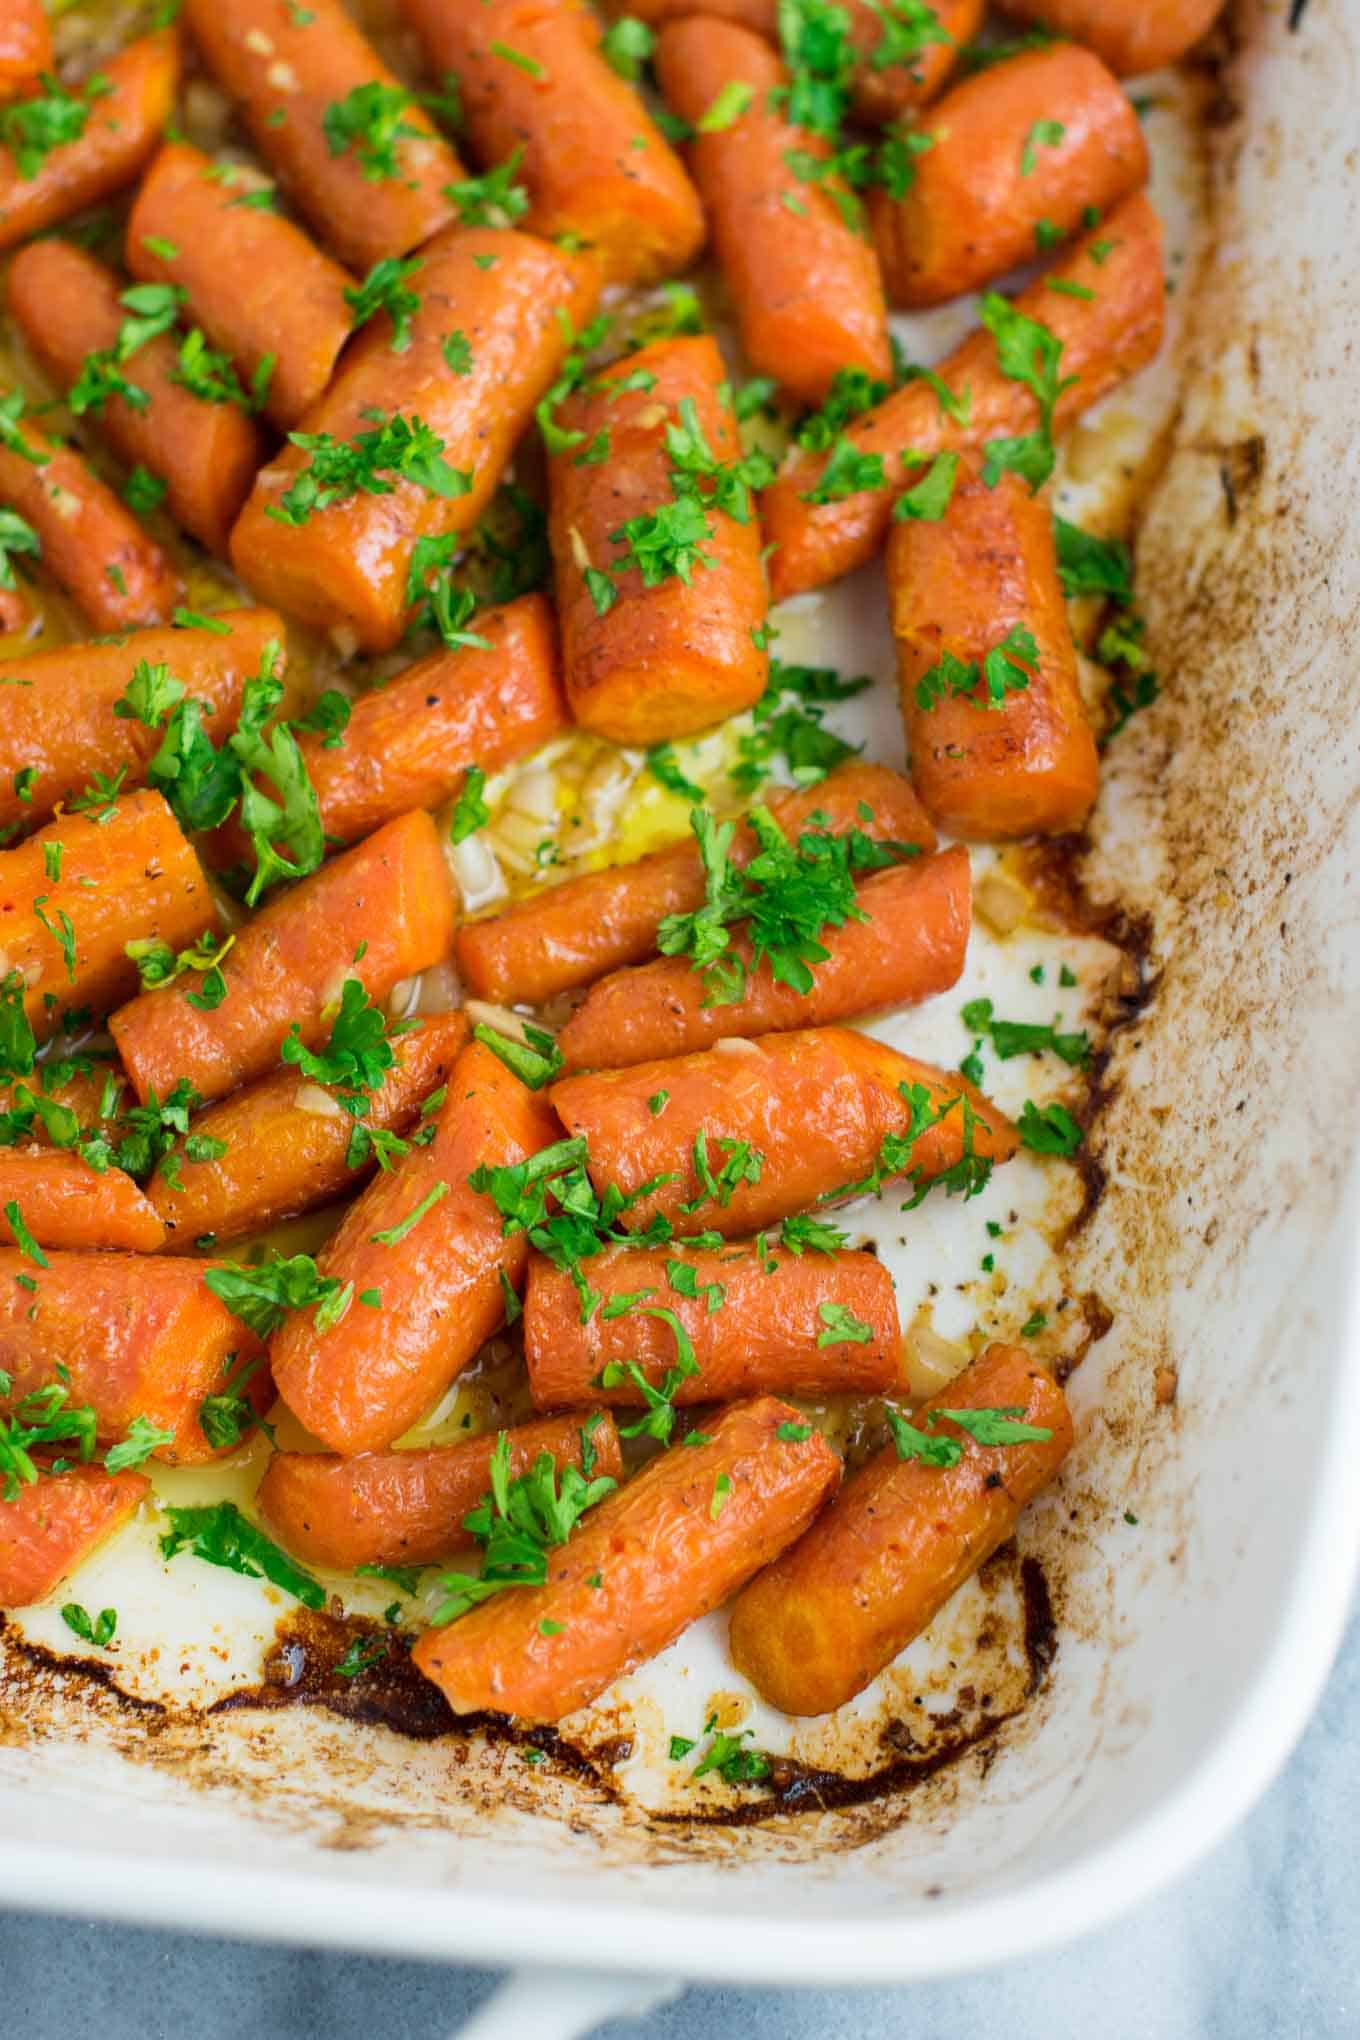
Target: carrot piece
column 651, row 662
column 25, row 46
column 289, row 69
column 592, row 159
column 803, row 279
column 294, row 312
column 572, row 933
column 407, row 1508
column 887, row 87
column 758, row 15
column 77, row 1089
column 897, row 1542
column 810, row 1110
column 138, row 1336
column 362, row 1383
column 348, row 565
column 1130, row 36
column 286, row 1140
column 911, row 946
column 92, row 546
column 959, row 588
column 1105, row 339
column 769, row 1335
column 64, row 1203
column 390, row 897
column 122, row 130
column 59, row 722
column 649, row 1560
column 131, row 877
column 53, row 1525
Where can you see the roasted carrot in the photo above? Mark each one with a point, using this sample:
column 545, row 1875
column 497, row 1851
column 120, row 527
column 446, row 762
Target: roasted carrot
column 260, row 289
column 903, row 63
column 653, row 651
column 754, row 14
column 137, row 1336
column 910, row 947
column 573, row 933
column 1035, row 143
column 129, row 877
column 757, row 1320
column 25, row 46
column 591, row 158
column 746, row 1136
column 65, row 1203
column 286, row 1142
column 898, row 1540
column 90, row 1087
column 350, row 563
column 351, row 146
column 1105, row 338
column 431, row 1251
column 1128, row 35
column 380, row 913
column 407, row 1508
column 801, row 274
column 121, row 131
column 1007, row 756
column 55, row 1522
column 649, row 1560
column 116, row 575
column 59, row 727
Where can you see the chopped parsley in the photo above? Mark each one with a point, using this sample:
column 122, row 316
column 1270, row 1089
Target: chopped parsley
column 1021, row 1037
column 1006, row 669
column 51, row 119
column 393, row 449
column 494, row 199
column 98, row 1630
column 384, row 289
column 1049, row 1129
column 220, row 1535
column 1027, row 352
column 788, row 722
column 989, row 1427
column 371, row 121
column 842, row 1326
column 627, row 45
column 1092, row 566
column 470, row 811
column 17, row 537
column 44, row 1416
column 536, row 1060
column 517, row 1524
column 262, row 1297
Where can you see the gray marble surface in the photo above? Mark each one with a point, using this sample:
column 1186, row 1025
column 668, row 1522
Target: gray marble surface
column 1260, row 1943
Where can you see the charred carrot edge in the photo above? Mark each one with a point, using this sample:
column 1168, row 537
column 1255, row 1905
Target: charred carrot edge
column 666, row 660
column 1027, row 765
column 407, row 1508
column 771, row 1332
column 25, row 46
column 130, row 877
column 649, row 1560
column 432, row 1251
column 54, row 1524
column 138, row 1336
column 391, row 893
column 260, row 289
column 910, row 947
column 887, row 91
column 570, row 934
column 897, row 1542
column 1105, row 338
column 1129, row 35
column 348, row 566
column 66, row 304
column 287, row 1141
column 65, row 1203
column 124, row 125
column 804, row 1113
column 60, row 727
column 593, row 161
column 286, row 67
column 802, row 276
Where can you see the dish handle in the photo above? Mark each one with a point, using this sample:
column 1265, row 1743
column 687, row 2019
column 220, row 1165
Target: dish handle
column 565, row 2004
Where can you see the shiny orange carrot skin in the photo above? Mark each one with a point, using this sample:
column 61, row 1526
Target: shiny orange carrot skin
column 286, row 1141
column 122, row 131
column 897, row 1542
column 346, row 567
column 407, row 1508
column 814, row 1106
column 257, row 285
column 25, row 46
column 766, row 1337
column 758, row 15
column 911, row 947
column 392, row 892
column 65, row 1203
column 66, row 304
column 361, row 1384
column 890, row 91
column 677, row 1541
column 53, row 1525
column 62, row 725
column 1130, row 36
column 138, row 1335
column 1028, row 766
column 570, row 934
column 1105, row 339
column 285, row 65
column 132, row 877
column 803, row 280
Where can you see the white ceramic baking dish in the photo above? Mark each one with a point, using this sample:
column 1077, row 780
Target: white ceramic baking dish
column 1194, row 1643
